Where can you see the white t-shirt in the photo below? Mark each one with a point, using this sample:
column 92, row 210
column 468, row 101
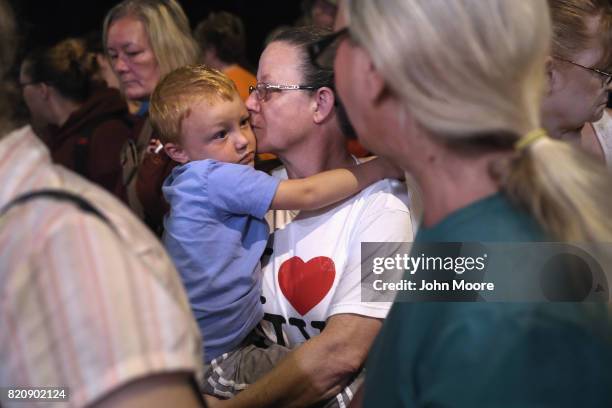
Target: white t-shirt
column 314, row 271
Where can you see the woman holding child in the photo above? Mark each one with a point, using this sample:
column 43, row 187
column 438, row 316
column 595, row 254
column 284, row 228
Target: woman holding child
column 215, row 231
column 456, row 101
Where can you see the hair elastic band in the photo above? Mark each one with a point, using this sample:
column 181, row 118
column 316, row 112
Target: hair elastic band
column 529, row 139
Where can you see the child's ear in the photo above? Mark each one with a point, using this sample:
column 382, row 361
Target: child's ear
column 176, row 153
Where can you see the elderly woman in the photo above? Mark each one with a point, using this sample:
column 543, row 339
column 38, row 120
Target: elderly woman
column 578, row 72
column 146, row 40
column 456, row 101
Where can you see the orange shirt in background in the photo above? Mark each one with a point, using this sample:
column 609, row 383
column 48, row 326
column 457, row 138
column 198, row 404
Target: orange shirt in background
column 242, row 78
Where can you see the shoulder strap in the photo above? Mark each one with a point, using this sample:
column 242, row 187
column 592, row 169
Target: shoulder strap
column 81, row 147
column 60, row 195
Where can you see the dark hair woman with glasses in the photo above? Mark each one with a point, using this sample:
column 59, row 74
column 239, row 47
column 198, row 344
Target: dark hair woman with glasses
column 295, row 115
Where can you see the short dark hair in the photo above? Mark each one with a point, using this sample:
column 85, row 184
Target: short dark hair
column 302, row 37
column 225, row 32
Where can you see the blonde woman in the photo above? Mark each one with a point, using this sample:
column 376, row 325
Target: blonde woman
column 144, row 40
column 451, row 90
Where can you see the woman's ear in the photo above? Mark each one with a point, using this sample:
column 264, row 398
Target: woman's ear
column 176, row 153
column 44, row 90
column 374, row 84
column 323, row 104
column 553, row 75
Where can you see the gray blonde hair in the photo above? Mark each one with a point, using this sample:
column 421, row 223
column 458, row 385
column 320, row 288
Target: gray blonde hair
column 473, row 71
column 571, row 33
column 167, row 27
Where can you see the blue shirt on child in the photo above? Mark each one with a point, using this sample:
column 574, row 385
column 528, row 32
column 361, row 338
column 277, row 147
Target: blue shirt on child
column 216, row 235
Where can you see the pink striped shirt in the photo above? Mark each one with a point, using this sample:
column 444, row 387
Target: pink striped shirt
column 82, row 306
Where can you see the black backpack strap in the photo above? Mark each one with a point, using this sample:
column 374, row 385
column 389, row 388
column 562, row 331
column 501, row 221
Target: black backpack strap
column 60, row 195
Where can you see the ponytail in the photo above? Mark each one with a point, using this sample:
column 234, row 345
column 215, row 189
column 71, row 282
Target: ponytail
column 565, row 190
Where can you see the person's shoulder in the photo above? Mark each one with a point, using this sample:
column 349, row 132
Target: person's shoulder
column 212, row 177
column 120, row 218
column 23, row 135
column 491, row 219
column 504, row 220
column 184, row 175
column 387, row 194
column 18, row 132
column 195, row 168
column 223, row 172
column 532, row 325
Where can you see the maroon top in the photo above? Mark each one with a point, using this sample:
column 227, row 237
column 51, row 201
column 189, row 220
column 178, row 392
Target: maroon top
column 105, row 118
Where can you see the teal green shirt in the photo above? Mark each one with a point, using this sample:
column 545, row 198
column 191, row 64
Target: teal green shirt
column 491, row 354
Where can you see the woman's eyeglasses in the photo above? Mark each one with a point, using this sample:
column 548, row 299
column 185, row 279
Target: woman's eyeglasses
column 262, row 90
column 606, row 77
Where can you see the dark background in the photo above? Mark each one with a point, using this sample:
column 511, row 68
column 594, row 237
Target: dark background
column 46, row 22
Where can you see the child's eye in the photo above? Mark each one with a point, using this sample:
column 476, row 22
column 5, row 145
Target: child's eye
column 244, row 122
column 132, row 53
column 220, row 135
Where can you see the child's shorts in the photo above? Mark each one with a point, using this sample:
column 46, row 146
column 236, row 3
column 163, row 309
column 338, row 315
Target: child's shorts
column 231, row 373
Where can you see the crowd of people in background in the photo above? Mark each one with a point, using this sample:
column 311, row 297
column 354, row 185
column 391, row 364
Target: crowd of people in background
column 181, row 227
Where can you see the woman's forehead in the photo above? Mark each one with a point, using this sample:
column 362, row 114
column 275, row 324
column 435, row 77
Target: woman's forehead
column 598, row 49
column 125, row 30
column 280, row 61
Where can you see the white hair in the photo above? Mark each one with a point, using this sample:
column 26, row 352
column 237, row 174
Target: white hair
column 475, row 69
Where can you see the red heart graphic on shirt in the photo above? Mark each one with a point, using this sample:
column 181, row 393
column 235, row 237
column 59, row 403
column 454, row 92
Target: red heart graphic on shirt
column 306, row 284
